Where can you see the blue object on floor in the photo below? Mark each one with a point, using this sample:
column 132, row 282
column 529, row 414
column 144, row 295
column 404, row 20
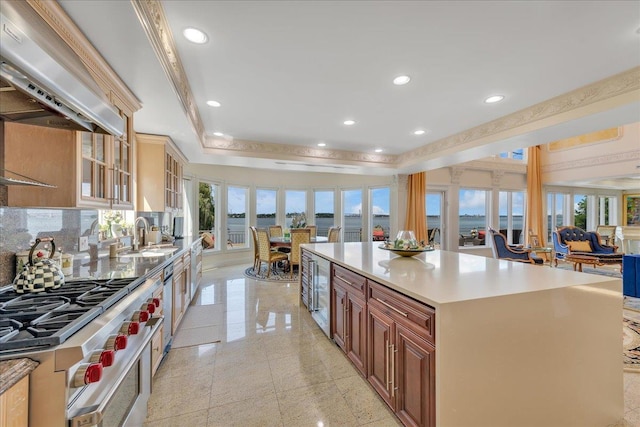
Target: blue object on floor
column 631, row 275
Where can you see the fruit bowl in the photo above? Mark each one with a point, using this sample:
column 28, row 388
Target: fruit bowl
column 406, row 252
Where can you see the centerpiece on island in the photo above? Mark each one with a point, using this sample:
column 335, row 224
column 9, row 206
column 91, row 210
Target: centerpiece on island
column 406, row 244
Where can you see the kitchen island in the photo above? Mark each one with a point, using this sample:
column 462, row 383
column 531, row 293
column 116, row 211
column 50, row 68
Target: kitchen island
column 514, row 344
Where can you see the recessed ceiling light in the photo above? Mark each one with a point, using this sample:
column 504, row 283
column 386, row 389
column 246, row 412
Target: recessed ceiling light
column 494, row 98
column 218, row 134
column 195, row 36
column 213, row 103
column 419, row 132
column 378, row 150
column 401, row 80
column 349, row 122
column 321, row 144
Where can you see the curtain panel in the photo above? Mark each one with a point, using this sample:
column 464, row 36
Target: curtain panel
column 416, row 219
column 534, row 214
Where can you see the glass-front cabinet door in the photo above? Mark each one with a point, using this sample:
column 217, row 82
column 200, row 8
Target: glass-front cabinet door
column 122, row 158
column 94, row 167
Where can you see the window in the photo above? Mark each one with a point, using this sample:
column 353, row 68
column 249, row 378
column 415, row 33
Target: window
column 473, row 217
column 379, row 211
column 580, row 211
column 324, row 215
column 352, row 215
column 207, row 207
column 517, row 154
column 266, row 207
column 511, row 211
column 434, row 216
column 607, row 210
column 237, row 218
column 557, row 208
column 295, row 203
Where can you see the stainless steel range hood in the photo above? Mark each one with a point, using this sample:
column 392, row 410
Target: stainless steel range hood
column 43, row 82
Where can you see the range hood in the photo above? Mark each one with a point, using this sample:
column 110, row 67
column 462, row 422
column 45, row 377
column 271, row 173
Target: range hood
column 43, row 82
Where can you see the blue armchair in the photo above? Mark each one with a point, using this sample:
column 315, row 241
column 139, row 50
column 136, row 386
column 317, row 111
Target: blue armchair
column 501, row 250
column 574, row 240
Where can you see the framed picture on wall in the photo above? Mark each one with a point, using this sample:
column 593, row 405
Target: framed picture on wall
column 631, row 210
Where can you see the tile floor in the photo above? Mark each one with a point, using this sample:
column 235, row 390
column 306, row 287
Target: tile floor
column 272, row 367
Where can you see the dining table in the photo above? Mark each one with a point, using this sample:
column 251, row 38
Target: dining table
column 285, row 242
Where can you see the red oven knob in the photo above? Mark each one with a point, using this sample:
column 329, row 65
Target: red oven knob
column 130, row 328
column 156, row 302
column 87, row 373
column 106, row 357
column 149, row 306
column 140, row 316
column 117, row 342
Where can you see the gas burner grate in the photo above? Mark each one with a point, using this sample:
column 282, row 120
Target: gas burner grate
column 9, row 328
column 26, row 308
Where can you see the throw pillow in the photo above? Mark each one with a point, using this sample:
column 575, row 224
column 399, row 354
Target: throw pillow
column 580, row 246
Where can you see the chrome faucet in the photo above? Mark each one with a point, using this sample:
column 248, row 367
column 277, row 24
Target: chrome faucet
column 136, row 235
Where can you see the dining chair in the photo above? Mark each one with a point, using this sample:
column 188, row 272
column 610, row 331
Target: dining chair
column 314, row 230
column 298, row 237
column 501, row 250
column 275, row 231
column 333, row 235
column 256, row 251
column 265, row 254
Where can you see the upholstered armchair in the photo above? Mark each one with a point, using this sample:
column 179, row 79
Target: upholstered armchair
column 573, row 240
column 501, row 250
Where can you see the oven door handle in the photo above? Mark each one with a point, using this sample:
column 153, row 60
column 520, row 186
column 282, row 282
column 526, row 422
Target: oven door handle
column 92, row 415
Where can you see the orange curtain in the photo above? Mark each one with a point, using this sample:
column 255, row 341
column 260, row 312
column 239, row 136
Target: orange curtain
column 416, row 212
column 534, row 214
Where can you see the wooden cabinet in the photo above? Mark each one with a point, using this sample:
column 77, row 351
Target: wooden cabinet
column 159, row 161
column 349, row 317
column 401, row 349
column 14, row 405
column 178, row 306
column 157, row 344
column 88, row 169
column 186, row 260
column 197, row 262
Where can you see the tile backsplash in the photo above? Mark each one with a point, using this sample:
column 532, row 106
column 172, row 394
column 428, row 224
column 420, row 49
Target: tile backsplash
column 19, row 227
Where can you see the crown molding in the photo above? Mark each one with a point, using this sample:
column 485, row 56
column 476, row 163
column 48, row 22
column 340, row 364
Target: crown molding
column 214, row 145
column 626, row 156
column 107, row 79
column 616, row 90
column 154, row 22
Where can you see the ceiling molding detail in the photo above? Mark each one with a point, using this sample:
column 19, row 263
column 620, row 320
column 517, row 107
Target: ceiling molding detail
column 456, row 174
column 106, row 77
column 632, row 155
column 262, row 149
column 496, row 177
column 532, row 117
column 503, row 165
column 154, row 22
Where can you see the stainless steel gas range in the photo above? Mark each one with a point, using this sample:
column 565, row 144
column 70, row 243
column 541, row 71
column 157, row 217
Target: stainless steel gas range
column 92, row 341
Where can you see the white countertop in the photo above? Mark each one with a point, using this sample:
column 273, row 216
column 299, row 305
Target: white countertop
column 442, row 277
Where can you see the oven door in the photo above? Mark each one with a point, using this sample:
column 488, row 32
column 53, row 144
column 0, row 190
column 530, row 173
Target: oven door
column 122, row 394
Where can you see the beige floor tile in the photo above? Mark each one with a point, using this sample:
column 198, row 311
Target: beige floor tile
column 196, row 336
column 193, row 419
column 174, row 396
column 203, row 315
column 631, row 390
column 239, row 389
column 365, row 405
column 262, row 411
column 295, row 372
column 315, row 404
column 186, row 360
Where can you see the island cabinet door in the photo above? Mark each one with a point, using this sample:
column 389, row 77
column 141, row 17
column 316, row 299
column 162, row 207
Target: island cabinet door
column 356, row 337
column 414, row 383
column 379, row 370
column 339, row 315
